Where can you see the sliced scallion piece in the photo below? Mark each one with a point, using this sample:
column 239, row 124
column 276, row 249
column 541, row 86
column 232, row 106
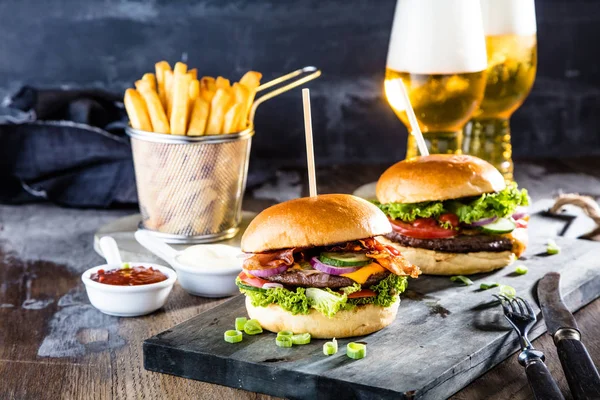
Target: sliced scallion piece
column 240, row 322
column 330, row 348
column 486, row 286
column 508, row 291
column 233, row 336
column 285, row 334
column 521, row 270
column 252, row 327
column 460, row 278
column 356, row 351
column 283, row 341
column 301, row 338
column 552, row 248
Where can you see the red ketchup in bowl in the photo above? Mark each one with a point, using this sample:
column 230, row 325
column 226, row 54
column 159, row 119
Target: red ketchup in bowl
column 129, row 276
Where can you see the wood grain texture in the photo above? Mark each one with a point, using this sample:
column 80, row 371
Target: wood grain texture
column 50, row 246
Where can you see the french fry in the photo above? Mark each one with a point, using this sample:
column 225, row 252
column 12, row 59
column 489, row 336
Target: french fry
column 180, row 68
column 242, row 94
column 218, row 108
column 207, row 88
column 199, row 117
column 180, row 101
column 222, row 83
column 137, row 111
column 151, row 79
column 194, row 91
column 251, row 80
column 169, row 91
column 232, row 118
column 160, row 68
column 158, row 117
column 194, row 73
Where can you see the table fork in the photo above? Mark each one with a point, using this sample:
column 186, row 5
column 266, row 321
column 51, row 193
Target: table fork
column 521, row 316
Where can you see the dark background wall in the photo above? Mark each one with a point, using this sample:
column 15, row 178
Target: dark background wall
column 111, row 43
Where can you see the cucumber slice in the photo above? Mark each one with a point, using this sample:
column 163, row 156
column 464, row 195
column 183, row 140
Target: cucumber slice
column 344, row 259
column 501, row 225
column 242, row 285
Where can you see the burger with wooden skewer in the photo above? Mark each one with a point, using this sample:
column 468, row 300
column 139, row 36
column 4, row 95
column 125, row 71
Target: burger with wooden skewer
column 316, row 264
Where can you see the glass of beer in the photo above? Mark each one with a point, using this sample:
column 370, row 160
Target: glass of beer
column 510, row 29
column 437, row 48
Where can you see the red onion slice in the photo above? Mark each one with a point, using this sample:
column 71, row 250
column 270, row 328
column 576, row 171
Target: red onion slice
column 272, row 285
column 265, row 273
column 518, row 215
column 330, row 269
column 484, row 221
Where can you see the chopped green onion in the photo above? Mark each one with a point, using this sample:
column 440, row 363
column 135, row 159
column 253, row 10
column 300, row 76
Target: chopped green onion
column 285, row 334
column 233, row 336
column 508, row 291
column 301, row 338
column 356, row 351
column 240, row 322
column 486, row 286
column 283, row 341
column 459, row 278
column 552, row 248
column 252, row 327
column 330, row 348
column 521, row 270
column 126, row 265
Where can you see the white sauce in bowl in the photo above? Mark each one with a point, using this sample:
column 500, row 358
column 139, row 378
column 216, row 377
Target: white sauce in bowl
column 208, row 256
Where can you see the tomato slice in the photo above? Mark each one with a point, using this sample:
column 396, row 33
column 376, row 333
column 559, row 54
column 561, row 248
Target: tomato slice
column 423, row 228
column 450, row 218
column 521, row 223
column 252, row 280
column 362, row 293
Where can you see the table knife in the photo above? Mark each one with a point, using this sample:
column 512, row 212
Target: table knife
column 580, row 371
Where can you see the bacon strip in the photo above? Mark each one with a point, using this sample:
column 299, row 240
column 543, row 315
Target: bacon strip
column 390, row 258
column 272, row 259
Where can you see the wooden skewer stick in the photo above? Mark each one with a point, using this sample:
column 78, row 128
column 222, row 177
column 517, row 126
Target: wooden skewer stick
column 412, row 119
column 310, row 155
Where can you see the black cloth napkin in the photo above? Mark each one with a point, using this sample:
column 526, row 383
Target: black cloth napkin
column 67, row 146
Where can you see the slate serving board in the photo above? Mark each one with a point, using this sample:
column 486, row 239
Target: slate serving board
column 444, row 337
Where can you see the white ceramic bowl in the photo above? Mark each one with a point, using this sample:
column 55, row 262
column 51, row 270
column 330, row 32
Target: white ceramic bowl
column 208, row 278
column 129, row 301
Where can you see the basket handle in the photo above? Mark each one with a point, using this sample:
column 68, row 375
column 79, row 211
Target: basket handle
column 313, row 73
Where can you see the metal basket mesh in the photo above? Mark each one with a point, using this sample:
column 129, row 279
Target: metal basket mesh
column 191, row 189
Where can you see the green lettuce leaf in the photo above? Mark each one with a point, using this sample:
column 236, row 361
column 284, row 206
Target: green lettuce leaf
column 326, row 301
column 294, row 302
column 412, row 211
column 501, row 204
column 387, row 291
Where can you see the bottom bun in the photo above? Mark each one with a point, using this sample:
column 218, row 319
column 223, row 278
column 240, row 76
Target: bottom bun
column 359, row 321
column 433, row 262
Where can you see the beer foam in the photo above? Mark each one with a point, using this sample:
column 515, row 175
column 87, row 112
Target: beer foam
column 437, row 37
column 502, row 17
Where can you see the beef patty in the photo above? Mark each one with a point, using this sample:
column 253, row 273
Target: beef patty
column 457, row 244
column 321, row 280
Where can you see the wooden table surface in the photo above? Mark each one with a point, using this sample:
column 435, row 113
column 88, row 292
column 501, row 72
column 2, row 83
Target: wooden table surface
column 54, row 344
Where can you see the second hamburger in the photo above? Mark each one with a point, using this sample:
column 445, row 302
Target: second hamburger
column 453, row 214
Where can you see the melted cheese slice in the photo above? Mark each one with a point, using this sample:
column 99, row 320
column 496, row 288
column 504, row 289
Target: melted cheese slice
column 364, row 273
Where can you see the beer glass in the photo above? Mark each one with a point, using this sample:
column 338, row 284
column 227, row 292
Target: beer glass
column 510, row 29
column 437, row 48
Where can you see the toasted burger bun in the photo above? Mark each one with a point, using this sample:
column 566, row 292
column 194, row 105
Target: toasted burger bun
column 433, row 262
column 438, row 177
column 314, row 221
column 359, row 321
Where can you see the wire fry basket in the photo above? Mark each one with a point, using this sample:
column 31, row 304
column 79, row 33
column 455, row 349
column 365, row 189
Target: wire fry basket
column 190, row 188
